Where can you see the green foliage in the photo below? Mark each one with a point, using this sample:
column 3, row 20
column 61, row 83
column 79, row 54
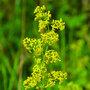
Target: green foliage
column 70, row 86
column 17, row 16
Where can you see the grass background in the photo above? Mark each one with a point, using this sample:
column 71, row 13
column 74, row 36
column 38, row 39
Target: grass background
column 17, row 22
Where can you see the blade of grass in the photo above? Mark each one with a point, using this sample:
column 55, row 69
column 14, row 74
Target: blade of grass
column 4, row 73
column 13, row 73
column 12, row 52
column 7, row 64
column 22, row 87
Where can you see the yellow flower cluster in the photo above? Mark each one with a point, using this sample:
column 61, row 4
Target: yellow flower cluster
column 56, row 24
column 55, row 76
column 39, row 74
column 51, row 56
column 59, row 75
column 42, row 25
column 39, row 77
column 38, row 48
column 29, row 83
column 50, row 37
column 28, row 43
column 36, row 73
column 36, row 77
column 34, row 44
column 41, row 14
column 50, row 83
column 40, row 9
column 42, row 17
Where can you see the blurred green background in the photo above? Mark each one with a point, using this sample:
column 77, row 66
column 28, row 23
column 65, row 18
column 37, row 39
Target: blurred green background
column 17, row 22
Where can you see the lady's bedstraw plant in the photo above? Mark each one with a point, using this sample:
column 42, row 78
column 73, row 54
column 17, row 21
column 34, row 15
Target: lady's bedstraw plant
column 40, row 77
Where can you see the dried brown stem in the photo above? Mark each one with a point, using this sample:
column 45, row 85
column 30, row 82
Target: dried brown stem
column 22, row 37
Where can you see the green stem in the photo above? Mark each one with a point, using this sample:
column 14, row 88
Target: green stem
column 22, row 36
column 44, row 57
column 43, row 62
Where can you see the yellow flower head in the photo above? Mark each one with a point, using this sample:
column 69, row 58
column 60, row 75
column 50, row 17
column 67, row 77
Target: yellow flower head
column 59, row 25
column 41, row 14
column 34, row 44
column 28, row 43
column 29, row 83
column 51, row 56
column 50, row 37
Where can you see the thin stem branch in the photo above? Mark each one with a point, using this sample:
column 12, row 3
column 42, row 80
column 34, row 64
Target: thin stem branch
column 22, row 36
